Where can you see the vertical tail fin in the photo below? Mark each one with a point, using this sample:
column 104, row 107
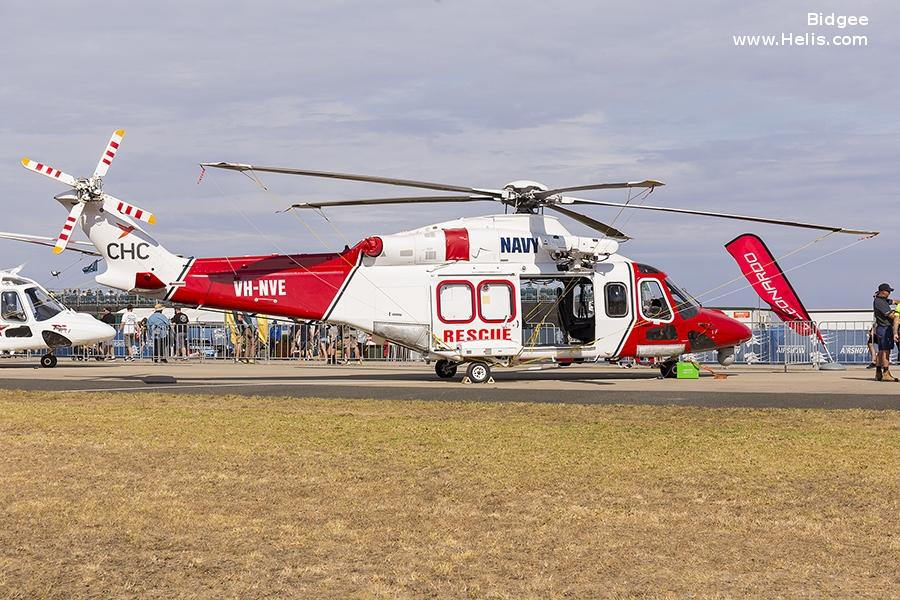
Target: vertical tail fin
column 134, row 260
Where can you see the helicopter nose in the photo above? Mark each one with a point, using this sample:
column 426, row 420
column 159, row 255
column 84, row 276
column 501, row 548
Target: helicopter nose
column 726, row 331
column 88, row 330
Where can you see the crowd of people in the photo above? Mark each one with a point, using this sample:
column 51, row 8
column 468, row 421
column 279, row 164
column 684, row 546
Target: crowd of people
column 163, row 338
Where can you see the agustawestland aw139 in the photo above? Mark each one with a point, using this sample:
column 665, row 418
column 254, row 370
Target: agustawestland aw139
column 478, row 293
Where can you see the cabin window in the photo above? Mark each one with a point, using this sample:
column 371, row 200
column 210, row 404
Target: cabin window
column 495, row 301
column 616, row 300
column 42, row 304
column 11, row 308
column 456, row 302
column 654, row 305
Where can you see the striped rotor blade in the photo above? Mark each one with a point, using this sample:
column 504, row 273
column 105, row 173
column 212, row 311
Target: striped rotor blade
column 48, row 171
column 110, row 153
column 131, row 210
column 69, row 228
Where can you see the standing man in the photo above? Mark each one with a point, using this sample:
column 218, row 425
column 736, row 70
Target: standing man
column 238, row 336
column 159, row 326
column 109, row 348
column 885, row 332
column 252, row 337
column 180, row 321
column 360, row 348
column 130, row 331
column 333, row 332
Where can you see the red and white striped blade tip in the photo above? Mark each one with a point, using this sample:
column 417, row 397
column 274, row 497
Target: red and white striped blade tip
column 109, row 153
column 136, row 212
column 68, row 228
column 48, row 171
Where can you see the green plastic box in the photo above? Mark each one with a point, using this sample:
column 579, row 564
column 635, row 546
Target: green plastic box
column 687, row 370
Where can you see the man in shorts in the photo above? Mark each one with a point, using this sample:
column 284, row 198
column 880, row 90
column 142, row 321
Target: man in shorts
column 180, row 323
column 131, row 330
column 885, row 332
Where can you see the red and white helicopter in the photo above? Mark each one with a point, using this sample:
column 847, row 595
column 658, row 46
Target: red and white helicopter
column 497, row 290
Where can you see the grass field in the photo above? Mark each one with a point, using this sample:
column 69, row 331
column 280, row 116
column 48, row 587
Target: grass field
column 148, row 495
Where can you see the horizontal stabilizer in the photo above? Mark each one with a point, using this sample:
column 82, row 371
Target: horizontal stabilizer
column 83, row 247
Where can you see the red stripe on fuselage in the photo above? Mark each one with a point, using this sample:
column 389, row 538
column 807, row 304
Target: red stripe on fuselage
column 311, row 283
column 457, row 241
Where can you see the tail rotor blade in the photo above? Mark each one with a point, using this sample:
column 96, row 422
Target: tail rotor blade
column 109, row 153
column 131, row 210
column 48, row 171
column 67, row 230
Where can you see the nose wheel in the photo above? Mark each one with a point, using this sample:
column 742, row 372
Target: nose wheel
column 48, row 361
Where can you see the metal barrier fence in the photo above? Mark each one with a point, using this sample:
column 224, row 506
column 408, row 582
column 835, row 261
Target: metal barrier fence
column 275, row 340
column 796, row 343
column 771, row 343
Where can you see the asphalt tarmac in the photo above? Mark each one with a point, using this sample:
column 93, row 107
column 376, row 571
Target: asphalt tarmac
column 745, row 387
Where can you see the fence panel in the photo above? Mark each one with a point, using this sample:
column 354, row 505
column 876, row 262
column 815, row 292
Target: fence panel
column 770, row 343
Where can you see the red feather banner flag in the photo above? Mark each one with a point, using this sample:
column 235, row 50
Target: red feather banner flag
column 766, row 277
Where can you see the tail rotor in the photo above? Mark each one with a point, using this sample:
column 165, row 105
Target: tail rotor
column 88, row 190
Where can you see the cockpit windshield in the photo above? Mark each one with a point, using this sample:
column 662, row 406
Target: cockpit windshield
column 685, row 304
column 42, row 304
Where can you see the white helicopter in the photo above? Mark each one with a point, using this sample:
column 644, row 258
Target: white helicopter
column 32, row 319
column 497, row 290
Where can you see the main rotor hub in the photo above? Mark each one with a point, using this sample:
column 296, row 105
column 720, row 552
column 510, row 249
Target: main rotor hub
column 521, row 195
column 89, row 189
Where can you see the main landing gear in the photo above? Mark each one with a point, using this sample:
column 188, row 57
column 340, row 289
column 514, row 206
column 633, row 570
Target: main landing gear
column 669, row 369
column 48, row 361
column 476, row 372
column 445, row 369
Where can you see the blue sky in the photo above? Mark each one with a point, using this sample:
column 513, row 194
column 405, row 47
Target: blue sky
column 469, row 93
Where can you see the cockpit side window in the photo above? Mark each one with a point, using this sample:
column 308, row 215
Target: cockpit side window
column 42, row 304
column 653, row 302
column 11, row 309
column 685, row 305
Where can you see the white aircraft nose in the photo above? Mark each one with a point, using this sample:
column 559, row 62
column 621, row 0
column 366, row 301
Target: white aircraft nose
column 88, row 330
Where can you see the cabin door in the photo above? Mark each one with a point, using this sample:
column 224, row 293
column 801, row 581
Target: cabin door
column 478, row 315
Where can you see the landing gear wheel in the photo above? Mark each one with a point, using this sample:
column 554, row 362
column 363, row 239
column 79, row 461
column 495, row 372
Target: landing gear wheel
column 48, row 361
column 669, row 369
column 445, row 369
column 478, row 372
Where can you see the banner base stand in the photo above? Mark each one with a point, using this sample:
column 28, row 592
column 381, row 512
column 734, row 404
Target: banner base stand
column 832, row 367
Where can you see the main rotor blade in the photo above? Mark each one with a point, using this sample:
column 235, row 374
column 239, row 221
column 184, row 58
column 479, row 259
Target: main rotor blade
column 48, row 171
column 603, row 228
column 350, row 177
column 83, row 247
column 647, row 183
column 109, row 153
column 397, row 200
column 719, row 215
column 68, row 227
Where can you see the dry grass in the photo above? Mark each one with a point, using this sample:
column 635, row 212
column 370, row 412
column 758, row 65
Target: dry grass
column 155, row 496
